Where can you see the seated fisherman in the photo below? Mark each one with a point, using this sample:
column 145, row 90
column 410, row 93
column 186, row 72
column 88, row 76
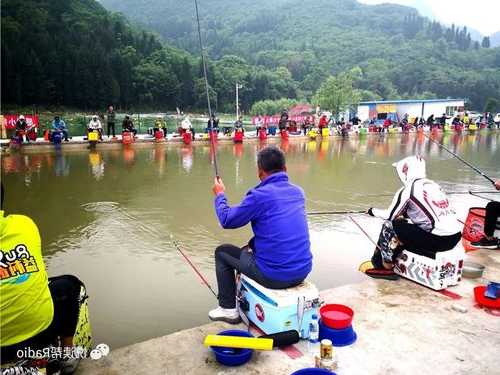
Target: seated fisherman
column 160, row 125
column 279, row 255
column 59, row 125
column 420, row 218
column 21, row 127
column 491, row 222
column 95, row 124
column 128, row 125
column 35, row 311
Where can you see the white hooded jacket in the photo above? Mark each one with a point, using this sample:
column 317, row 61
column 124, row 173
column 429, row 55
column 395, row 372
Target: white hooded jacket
column 421, row 200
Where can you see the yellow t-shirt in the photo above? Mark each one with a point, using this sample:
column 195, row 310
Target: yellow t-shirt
column 26, row 306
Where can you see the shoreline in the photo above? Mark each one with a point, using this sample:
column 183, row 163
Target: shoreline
column 79, row 143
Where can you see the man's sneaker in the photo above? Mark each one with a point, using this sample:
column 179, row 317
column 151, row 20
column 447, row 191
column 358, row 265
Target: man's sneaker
column 485, row 243
column 225, row 315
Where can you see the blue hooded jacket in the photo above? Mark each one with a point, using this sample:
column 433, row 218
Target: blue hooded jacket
column 276, row 209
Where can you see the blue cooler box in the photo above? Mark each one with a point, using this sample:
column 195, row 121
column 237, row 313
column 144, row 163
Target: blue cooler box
column 278, row 310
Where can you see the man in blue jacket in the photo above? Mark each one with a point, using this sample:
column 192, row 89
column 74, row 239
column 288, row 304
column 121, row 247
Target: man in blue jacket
column 279, row 254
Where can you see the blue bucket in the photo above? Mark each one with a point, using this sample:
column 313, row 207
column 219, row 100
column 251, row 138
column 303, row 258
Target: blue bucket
column 338, row 337
column 56, row 137
column 313, row 371
column 232, row 356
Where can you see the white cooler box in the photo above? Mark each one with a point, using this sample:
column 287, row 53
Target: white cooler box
column 279, row 310
column 437, row 274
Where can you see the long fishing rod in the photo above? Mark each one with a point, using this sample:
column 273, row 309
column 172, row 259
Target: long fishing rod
column 471, row 192
column 462, row 160
column 336, row 212
column 212, row 144
column 176, row 245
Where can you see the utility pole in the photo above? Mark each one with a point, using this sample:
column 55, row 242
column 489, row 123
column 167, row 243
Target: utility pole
column 238, row 86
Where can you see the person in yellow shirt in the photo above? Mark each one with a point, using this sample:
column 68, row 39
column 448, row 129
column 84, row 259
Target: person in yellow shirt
column 35, row 311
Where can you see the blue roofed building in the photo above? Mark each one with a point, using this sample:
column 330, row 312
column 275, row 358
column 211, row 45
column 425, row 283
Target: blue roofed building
column 396, row 109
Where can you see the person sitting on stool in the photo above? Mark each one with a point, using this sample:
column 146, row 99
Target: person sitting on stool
column 128, row 125
column 491, row 222
column 36, row 311
column 279, row 254
column 420, row 218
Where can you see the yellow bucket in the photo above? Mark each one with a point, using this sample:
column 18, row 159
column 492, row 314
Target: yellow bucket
column 325, row 132
column 93, row 136
column 393, row 130
column 312, row 134
column 473, row 127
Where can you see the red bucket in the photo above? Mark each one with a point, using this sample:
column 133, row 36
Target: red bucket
column 238, row 136
column 262, row 134
column 159, row 135
column 284, row 134
column 474, row 224
column 127, row 138
column 336, row 316
column 187, row 137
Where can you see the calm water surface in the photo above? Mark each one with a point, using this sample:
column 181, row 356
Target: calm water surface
column 107, row 216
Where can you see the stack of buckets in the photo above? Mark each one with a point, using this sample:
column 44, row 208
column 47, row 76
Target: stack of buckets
column 336, row 325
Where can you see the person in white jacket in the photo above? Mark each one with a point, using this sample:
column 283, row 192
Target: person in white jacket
column 420, row 218
column 95, row 124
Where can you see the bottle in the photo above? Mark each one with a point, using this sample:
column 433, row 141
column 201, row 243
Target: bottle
column 313, row 343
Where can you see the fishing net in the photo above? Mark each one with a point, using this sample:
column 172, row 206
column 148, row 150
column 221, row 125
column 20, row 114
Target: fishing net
column 83, row 333
column 474, row 224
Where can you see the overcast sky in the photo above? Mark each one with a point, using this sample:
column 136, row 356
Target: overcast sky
column 482, row 15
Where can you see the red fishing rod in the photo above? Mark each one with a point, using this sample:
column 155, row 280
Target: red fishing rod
column 176, row 245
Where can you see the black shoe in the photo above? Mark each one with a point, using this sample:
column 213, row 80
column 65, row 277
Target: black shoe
column 385, row 274
column 485, row 243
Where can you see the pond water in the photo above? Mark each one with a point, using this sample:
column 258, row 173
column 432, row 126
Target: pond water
column 108, row 216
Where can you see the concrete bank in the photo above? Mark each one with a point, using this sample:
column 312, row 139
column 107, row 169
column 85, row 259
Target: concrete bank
column 402, row 328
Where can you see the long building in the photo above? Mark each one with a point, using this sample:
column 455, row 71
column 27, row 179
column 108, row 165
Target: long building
column 396, row 109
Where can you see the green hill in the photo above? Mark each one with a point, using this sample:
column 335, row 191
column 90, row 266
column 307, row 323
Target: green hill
column 401, row 54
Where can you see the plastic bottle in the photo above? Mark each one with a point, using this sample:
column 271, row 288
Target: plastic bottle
column 314, row 336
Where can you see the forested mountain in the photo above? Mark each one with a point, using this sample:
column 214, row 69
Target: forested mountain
column 76, row 53
column 400, row 53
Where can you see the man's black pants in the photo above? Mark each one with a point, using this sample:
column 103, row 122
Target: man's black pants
column 492, row 215
column 230, row 258
column 111, row 127
column 65, row 292
column 418, row 241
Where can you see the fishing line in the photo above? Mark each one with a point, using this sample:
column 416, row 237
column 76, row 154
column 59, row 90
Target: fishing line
column 462, row 160
column 176, row 245
column 472, row 192
column 336, row 212
column 212, row 144
column 364, row 232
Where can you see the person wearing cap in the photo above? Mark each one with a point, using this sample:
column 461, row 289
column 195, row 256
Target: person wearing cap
column 59, row 125
column 95, row 124
column 160, row 126
column 420, row 218
column 279, row 255
column 128, row 125
column 21, row 127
